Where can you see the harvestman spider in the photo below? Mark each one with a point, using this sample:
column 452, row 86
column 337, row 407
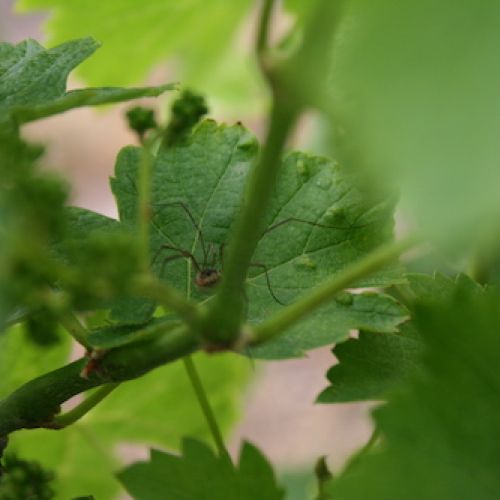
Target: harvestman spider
column 207, row 274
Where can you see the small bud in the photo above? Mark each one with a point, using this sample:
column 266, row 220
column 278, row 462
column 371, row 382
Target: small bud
column 141, row 119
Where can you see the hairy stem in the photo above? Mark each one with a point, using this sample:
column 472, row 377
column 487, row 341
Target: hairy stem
column 205, row 405
column 84, row 407
column 320, row 295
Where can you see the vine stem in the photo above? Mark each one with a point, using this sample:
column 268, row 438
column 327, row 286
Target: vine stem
column 169, row 297
column 261, row 40
column 204, row 403
column 72, row 416
column 73, row 326
column 223, row 319
column 320, row 295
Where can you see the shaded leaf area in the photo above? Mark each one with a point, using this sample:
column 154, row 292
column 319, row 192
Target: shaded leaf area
column 199, row 473
column 199, row 183
column 442, row 425
column 370, row 366
column 158, row 409
column 136, row 37
column 448, row 82
column 33, row 81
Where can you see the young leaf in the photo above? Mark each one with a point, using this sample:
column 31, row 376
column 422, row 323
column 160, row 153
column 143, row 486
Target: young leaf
column 33, row 81
column 199, row 473
column 442, row 426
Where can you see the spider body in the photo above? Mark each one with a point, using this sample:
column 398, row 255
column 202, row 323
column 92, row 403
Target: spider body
column 206, row 278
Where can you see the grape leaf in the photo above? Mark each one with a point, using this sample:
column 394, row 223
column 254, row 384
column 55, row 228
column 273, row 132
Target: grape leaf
column 440, row 429
column 424, row 109
column 203, row 178
column 369, row 367
column 157, row 409
column 33, row 81
column 332, row 323
column 200, row 474
column 138, row 36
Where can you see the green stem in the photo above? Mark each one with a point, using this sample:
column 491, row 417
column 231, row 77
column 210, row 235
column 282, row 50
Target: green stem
column 73, row 326
column 317, row 297
column 37, row 403
column 84, row 407
column 169, row 298
column 205, row 405
column 261, row 40
column 224, row 318
column 223, row 321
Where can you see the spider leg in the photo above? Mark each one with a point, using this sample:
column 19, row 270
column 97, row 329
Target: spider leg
column 169, row 259
column 180, row 252
column 311, row 223
column 262, row 266
column 191, row 218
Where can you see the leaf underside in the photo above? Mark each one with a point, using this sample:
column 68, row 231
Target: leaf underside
column 204, row 177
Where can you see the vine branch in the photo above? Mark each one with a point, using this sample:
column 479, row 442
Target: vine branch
column 223, row 320
column 37, row 403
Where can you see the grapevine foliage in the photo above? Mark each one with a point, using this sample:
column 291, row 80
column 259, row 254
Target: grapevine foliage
column 199, row 473
column 427, row 346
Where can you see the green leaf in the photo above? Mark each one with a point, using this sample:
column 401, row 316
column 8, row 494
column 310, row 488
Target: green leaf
column 424, row 108
column 203, row 178
column 440, row 430
column 33, row 81
column 159, row 408
column 32, row 75
column 136, row 37
column 199, row 473
column 86, row 97
column 332, row 323
column 84, row 226
column 371, row 365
